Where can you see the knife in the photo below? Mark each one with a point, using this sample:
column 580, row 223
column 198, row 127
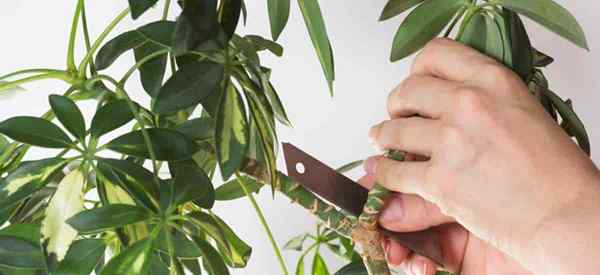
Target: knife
column 348, row 195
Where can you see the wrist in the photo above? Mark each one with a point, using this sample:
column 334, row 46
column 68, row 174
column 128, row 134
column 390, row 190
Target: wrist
column 566, row 241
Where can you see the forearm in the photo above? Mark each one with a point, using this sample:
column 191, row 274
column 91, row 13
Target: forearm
column 569, row 243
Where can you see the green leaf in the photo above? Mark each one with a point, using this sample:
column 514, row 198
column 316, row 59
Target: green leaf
column 231, row 135
column 355, row 268
column 235, row 251
column 29, row 177
column 138, row 7
column 423, row 24
column 232, row 190
column 192, row 266
column 20, row 254
column 396, row 7
column 191, row 184
column 135, row 260
column 319, row 266
column 484, row 34
column 82, row 257
column 168, row 144
column 229, row 15
column 247, row 49
column 68, row 114
column 116, row 47
column 110, row 117
column 276, row 104
column 4, row 143
column 575, row 125
column 265, row 44
column 188, row 86
column 67, row 201
column 550, row 15
column 25, row 231
column 133, row 178
column 116, row 195
column 183, row 248
column 279, row 13
column 198, row 129
column 300, row 266
column 266, row 133
column 520, row 45
column 35, row 131
column 211, row 260
column 159, row 32
column 196, row 24
column 350, row 166
column 158, row 37
column 296, row 243
column 107, row 217
column 541, row 59
column 153, row 71
column 318, row 34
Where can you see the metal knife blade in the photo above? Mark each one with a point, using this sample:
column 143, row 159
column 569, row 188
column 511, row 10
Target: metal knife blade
column 350, row 196
column 324, row 181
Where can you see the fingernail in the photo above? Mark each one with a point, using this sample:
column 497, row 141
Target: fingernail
column 370, row 166
column 393, row 212
column 429, row 269
column 373, row 133
column 419, row 268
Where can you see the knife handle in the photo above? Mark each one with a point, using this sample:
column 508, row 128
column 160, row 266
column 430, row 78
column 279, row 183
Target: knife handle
column 425, row 243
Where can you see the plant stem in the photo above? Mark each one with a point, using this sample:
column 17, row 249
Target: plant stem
column 89, row 55
column 132, row 106
column 263, row 221
column 61, row 75
column 30, row 71
column 471, row 11
column 71, row 67
column 331, row 217
column 459, row 15
column 165, row 14
column 86, row 36
column 140, row 63
column 368, row 237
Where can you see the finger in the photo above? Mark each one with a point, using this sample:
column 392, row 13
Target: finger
column 419, row 265
column 409, row 213
column 450, row 60
column 402, row 177
column 367, row 181
column 422, row 95
column 395, row 253
column 416, row 135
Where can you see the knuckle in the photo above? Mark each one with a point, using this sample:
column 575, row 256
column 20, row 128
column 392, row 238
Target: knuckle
column 396, row 100
column 430, row 50
column 470, row 101
column 497, row 73
column 385, row 131
column 451, row 136
column 436, row 45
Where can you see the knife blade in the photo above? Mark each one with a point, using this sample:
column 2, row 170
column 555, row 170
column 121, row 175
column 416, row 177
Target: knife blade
column 348, row 195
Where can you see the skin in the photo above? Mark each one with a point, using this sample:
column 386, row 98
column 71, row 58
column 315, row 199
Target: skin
column 509, row 191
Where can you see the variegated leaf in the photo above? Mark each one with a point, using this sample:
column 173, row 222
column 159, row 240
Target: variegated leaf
column 57, row 235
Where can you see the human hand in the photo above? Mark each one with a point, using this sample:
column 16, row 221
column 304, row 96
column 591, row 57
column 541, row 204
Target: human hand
column 494, row 161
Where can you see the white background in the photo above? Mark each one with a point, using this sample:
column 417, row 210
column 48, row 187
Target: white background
column 34, row 34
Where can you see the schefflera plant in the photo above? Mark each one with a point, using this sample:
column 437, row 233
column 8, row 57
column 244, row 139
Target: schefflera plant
column 217, row 107
column 103, row 206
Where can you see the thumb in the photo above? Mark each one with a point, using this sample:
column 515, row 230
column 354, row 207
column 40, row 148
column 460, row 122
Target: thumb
column 408, row 213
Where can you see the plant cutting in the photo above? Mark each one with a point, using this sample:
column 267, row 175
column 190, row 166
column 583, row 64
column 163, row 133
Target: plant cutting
column 102, row 205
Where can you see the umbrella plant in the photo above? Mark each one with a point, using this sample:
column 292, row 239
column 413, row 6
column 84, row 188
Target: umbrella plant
column 102, row 205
